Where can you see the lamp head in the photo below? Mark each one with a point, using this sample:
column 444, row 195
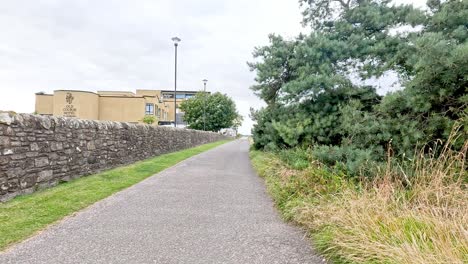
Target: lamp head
column 176, row 40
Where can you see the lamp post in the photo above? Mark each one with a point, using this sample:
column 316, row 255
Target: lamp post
column 176, row 41
column 204, row 104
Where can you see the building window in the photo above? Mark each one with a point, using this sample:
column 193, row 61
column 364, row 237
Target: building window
column 149, row 109
column 180, row 96
column 159, row 113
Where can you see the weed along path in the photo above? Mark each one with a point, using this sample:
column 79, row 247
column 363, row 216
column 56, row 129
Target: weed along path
column 211, row 208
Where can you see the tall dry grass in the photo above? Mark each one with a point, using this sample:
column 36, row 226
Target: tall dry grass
column 410, row 213
column 397, row 218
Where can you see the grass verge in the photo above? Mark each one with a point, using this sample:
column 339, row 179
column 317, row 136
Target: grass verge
column 25, row 215
column 392, row 218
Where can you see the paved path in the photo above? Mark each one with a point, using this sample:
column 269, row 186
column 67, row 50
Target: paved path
column 211, row 208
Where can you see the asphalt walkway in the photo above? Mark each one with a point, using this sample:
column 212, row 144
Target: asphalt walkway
column 211, row 208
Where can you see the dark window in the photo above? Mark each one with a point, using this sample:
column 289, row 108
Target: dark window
column 149, row 109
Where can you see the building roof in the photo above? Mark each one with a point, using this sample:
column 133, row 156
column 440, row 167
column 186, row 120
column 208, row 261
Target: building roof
column 179, row 91
column 119, row 92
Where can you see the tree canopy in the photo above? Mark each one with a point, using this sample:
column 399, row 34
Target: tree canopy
column 217, row 110
column 316, row 90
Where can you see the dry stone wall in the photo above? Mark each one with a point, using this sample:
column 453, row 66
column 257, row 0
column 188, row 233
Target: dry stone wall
column 40, row 151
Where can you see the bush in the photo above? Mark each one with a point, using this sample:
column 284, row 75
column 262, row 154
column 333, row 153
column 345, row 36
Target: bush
column 295, row 158
column 415, row 213
column 149, row 119
column 312, row 97
column 353, row 161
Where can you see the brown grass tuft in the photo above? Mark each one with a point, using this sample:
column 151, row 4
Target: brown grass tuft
column 412, row 213
column 387, row 222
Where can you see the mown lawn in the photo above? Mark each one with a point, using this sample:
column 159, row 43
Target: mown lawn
column 25, row 215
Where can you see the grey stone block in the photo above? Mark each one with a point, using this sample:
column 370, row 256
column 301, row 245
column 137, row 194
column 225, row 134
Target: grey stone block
column 34, row 146
column 4, row 141
column 41, row 162
column 45, row 175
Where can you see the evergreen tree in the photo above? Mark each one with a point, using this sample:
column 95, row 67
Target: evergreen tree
column 310, row 86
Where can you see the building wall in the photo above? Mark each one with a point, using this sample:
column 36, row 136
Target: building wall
column 45, row 104
column 82, row 104
column 170, row 100
column 116, row 93
column 141, row 92
column 155, row 97
column 107, row 105
column 40, row 151
column 170, row 110
column 123, row 109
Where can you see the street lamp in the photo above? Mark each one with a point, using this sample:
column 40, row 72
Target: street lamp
column 176, row 41
column 204, row 103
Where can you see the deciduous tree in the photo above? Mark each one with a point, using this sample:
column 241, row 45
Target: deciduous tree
column 211, row 112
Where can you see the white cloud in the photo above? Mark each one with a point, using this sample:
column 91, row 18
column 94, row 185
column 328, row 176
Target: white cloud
column 125, row 45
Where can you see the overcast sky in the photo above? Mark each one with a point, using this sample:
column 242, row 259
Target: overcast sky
column 126, row 45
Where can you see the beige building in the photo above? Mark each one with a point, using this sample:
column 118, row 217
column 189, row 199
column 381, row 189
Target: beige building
column 110, row 105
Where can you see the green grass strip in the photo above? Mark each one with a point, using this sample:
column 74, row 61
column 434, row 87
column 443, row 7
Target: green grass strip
column 25, row 215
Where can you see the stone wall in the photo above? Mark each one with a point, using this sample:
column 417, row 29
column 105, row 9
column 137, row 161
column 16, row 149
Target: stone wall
column 40, row 151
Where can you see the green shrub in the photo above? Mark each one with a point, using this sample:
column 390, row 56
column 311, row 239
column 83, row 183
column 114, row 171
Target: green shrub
column 407, row 213
column 149, row 119
column 295, row 158
column 351, row 160
column 312, row 99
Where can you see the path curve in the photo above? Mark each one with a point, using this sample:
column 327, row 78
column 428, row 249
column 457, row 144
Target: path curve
column 211, row 208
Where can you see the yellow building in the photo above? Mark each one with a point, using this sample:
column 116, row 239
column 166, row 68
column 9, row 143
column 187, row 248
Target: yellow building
column 112, row 105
